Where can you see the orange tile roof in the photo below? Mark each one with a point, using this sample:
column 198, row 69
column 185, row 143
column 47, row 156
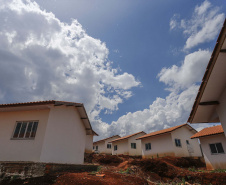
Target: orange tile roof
column 105, row 139
column 126, row 137
column 164, row 131
column 47, row 102
column 209, row 131
column 39, row 103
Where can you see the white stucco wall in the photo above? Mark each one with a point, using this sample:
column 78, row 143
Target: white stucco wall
column 214, row 161
column 160, row 145
column 21, row 150
column 122, row 147
column 221, row 110
column 65, row 137
column 102, row 145
column 89, row 144
column 184, row 134
column 137, row 151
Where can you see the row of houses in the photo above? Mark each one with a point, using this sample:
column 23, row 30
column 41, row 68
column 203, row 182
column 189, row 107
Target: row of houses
column 209, row 107
column 174, row 141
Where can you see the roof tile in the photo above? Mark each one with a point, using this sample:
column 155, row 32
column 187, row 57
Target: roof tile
column 209, row 131
column 164, row 131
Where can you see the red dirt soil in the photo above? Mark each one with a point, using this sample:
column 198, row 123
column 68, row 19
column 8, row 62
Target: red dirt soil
column 110, row 178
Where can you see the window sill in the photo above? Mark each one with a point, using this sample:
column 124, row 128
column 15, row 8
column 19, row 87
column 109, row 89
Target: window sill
column 22, row 138
column 217, row 153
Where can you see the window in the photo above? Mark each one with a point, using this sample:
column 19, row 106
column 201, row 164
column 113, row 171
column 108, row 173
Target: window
column 216, row 148
column 96, row 147
column 93, row 147
column 109, row 146
column 133, row 145
column 115, row 147
column 148, row 146
column 187, row 142
column 25, row 130
column 177, row 142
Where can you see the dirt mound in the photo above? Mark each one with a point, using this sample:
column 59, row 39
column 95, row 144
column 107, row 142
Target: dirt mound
column 169, row 170
column 184, row 162
column 107, row 159
column 110, row 178
column 151, row 165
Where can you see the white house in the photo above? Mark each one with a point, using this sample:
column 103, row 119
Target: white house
column 103, row 146
column 45, row 131
column 173, row 141
column 210, row 103
column 127, row 145
column 213, row 143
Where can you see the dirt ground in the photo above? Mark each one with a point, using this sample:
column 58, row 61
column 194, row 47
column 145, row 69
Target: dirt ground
column 117, row 170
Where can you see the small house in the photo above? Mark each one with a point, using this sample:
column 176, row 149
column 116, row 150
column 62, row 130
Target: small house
column 127, row 145
column 103, row 146
column 213, row 143
column 210, row 102
column 173, row 141
column 45, row 131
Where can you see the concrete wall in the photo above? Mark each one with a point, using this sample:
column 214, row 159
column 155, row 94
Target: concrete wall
column 26, row 149
column 193, row 149
column 160, row 145
column 122, row 147
column 221, row 110
column 214, row 161
column 89, row 144
column 65, row 137
column 137, row 151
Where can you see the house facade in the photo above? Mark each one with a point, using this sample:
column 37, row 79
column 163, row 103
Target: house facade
column 213, row 143
column 174, row 141
column 210, row 102
column 103, row 146
column 45, row 131
column 127, row 145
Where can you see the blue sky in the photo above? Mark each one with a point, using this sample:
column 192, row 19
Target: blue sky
column 151, row 56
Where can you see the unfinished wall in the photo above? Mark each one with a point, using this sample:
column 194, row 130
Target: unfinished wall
column 214, row 161
column 21, row 149
column 186, row 150
column 65, row 136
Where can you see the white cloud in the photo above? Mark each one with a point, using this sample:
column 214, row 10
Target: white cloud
column 162, row 113
column 190, row 71
column 203, row 26
column 43, row 58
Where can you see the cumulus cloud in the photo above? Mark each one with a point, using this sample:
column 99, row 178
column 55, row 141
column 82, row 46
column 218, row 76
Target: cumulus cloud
column 203, row 26
column 43, row 58
column 162, row 113
column 190, row 71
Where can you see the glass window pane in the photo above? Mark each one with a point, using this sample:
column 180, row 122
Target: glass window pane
column 213, row 148
column 28, row 132
column 34, row 129
column 219, row 148
column 17, row 129
column 23, row 129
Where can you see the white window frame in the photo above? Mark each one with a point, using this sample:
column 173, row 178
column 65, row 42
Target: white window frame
column 147, row 144
column 133, row 145
column 24, row 137
column 115, row 147
column 180, row 142
column 108, row 145
column 216, row 148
